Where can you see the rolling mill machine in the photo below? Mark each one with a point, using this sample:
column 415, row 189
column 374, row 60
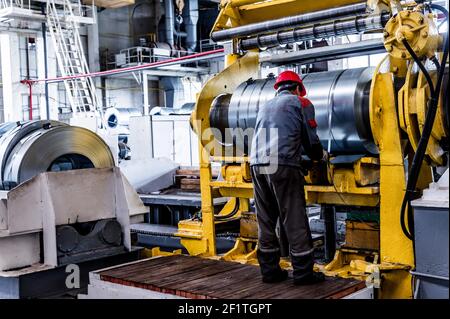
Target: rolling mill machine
column 384, row 127
column 62, row 202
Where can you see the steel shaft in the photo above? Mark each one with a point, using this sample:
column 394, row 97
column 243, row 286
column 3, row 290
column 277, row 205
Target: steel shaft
column 287, row 22
column 347, row 26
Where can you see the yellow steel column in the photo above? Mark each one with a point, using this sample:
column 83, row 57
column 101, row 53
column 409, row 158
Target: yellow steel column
column 208, row 227
column 230, row 59
column 395, row 247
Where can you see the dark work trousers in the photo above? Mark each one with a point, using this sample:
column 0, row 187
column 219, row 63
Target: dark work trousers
column 281, row 195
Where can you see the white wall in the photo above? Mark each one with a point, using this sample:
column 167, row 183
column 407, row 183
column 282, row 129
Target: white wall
column 12, row 88
column 15, row 94
column 123, row 93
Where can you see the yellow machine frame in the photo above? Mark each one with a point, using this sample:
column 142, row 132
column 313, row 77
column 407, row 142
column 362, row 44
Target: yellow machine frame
column 373, row 182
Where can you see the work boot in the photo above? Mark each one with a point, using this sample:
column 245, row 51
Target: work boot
column 269, row 264
column 310, row 279
column 278, row 276
column 303, row 270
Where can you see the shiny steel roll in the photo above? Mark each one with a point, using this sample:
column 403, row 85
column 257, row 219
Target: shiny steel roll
column 55, row 148
column 120, row 116
column 17, row 131
column 340, row 98
column 345, row 107
column 6, row 127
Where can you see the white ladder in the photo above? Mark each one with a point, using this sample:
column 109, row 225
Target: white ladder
column 63, row 27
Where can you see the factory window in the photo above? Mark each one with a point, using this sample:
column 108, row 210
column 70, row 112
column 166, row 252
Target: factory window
column 26, row 107
column 28, row 57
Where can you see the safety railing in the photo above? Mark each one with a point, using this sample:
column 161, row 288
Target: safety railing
column 142, row 55
column 23, row 4
column 82, row 13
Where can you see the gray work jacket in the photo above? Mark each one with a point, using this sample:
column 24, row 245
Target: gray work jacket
column 284, row 126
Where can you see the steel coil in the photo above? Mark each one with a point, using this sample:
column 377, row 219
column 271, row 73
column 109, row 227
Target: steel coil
column 118, row 119
column 340, row 98
column 51, row 146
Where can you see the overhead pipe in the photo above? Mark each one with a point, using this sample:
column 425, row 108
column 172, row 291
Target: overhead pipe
column 174, row 61
column 353, row 25
column 288, row 22
column 190, row 18
column 169, row 21
column 327, row 53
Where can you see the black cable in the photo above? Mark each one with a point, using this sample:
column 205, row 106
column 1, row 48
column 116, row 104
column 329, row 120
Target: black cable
column 233, row 212
column 426, row 131
column 420, row 65
column 406, row 207
column 435, row 62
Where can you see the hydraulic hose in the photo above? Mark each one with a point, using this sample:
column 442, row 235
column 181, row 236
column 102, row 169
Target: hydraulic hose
column 426, row 132
column 233, row 212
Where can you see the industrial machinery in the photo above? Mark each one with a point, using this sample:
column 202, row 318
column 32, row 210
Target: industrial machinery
column 148, row 53
column 386, row 128
column 52, row 216
column 117, row 120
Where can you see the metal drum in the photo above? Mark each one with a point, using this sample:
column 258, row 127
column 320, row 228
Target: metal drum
column 17, row 131
column 117, row 118
column 340, row 98
column 49, row 146
column 341, row 101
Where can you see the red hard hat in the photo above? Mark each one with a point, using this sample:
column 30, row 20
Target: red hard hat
column 290, row 76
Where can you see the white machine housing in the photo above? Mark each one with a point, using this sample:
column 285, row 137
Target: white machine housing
column 52, row 199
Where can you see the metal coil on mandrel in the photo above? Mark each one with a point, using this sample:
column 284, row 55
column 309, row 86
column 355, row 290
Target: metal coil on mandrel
column 30, row 148
column 341, row 102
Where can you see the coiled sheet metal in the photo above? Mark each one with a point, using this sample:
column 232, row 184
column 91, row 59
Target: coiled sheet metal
column 30, row 148
column 116, row 117
column 340, row 98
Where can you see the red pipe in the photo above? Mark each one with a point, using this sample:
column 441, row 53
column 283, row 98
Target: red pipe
column 133, row 68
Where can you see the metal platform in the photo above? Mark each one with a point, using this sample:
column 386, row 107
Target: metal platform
column 179, row 198
column 163, row 236
column 172, row 205
column 181, row 276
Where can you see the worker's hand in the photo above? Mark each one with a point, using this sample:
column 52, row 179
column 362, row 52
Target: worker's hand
column 325, row 156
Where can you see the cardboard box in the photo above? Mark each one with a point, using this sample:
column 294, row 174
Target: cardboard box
column 362, row 235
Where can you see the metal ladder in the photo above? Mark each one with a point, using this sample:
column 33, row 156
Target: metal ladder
column 63, row 27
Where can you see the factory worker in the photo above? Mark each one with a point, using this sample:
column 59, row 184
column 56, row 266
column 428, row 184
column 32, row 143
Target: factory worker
column 285, row 126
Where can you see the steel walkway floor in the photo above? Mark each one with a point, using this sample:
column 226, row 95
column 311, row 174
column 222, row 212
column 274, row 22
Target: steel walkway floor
column 200, row 278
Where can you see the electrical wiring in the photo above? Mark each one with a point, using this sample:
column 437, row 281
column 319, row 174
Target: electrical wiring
column 426, row 131
column 233, row 212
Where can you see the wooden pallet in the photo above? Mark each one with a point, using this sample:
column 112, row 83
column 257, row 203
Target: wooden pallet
column 189, row 178
column 201, row 278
